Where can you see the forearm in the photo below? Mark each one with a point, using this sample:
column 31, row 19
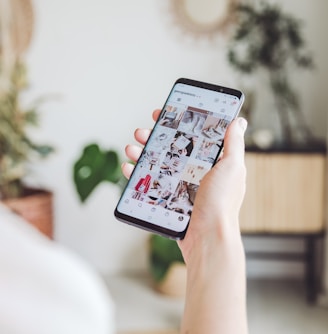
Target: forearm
column 216, row 288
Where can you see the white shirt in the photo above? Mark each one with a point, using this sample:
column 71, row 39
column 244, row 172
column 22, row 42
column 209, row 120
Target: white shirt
column 44, row 288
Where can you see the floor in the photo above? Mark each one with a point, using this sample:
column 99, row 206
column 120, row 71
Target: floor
column 273, row 307
column 280, row 307
column 141, row 310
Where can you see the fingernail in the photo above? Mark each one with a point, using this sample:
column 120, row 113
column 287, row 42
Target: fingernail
column 242, row 123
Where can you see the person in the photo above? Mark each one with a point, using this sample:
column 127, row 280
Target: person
column 212, row 248
column 45, row 288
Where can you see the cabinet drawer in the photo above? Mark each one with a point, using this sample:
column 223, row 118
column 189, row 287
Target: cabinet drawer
column 285, row 193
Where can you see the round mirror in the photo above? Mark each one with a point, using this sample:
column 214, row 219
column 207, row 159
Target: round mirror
column 203, row 16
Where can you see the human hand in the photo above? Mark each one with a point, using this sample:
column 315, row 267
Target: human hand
column 212, row 247
column 220, row 195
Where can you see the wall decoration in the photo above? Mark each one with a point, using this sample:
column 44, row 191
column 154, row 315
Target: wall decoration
column 203, row 18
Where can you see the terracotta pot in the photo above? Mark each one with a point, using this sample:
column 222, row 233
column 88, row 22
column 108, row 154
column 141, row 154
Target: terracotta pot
column 174, row 282
column 36, row 208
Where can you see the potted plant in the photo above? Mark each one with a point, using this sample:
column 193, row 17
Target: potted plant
column 167, row 266
column 269, row 40
column 17, row 149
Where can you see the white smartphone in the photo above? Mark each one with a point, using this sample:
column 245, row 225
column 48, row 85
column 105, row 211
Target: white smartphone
column 184, row 145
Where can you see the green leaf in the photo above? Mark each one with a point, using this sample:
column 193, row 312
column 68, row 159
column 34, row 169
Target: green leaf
column 31, row 117
column 43, row 150
column 158, row 268
column 94, row 167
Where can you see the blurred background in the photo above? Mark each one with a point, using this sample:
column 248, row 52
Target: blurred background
column 110, row 65
column 103, row 66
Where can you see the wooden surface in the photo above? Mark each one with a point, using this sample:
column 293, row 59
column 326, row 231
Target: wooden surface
column 285, row 193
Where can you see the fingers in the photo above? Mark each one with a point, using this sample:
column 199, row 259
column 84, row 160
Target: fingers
column 156, row 114
column 127, row 169
column 133, row 152
column 234, row 144
column 142, row 135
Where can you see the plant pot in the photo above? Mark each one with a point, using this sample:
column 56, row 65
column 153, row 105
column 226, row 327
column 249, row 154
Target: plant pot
column 174, row 282
column 36, row 208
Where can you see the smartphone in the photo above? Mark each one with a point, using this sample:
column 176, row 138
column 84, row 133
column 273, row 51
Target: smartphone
column 184, row 144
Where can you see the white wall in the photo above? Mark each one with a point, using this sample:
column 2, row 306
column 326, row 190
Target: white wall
column 111, row 63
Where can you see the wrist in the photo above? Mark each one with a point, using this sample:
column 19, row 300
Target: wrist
column 216, row 280
column 222, row 239
column 217, row 251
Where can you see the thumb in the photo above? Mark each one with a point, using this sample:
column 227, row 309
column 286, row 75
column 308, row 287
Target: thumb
column 234, row 144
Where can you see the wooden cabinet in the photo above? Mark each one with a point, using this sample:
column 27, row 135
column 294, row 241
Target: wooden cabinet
column 285, row 193
column 285, row 197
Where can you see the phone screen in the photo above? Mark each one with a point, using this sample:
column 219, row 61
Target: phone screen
column 183, row 146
